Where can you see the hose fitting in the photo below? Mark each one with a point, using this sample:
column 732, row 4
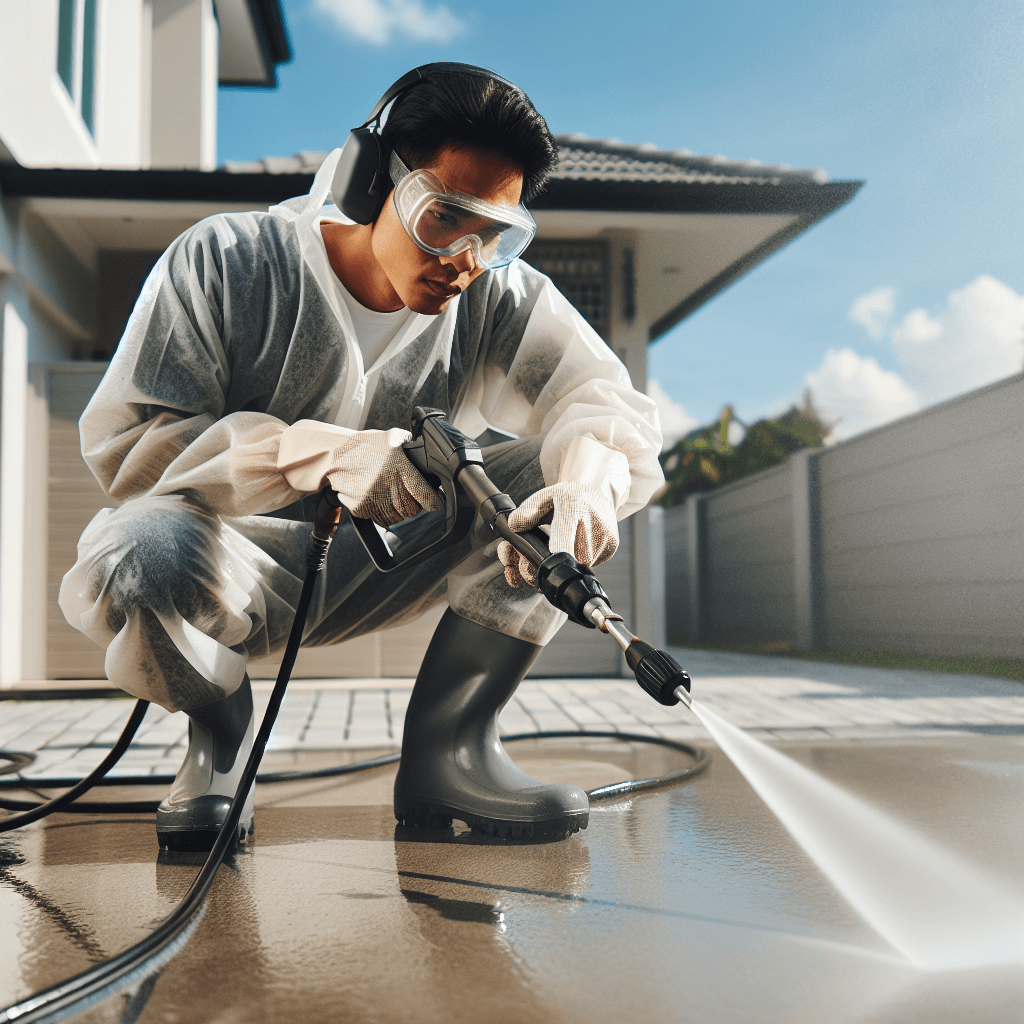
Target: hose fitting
column 569, row 585
column 325, row 526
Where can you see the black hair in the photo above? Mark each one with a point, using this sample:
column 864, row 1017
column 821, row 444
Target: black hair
column 453, row 109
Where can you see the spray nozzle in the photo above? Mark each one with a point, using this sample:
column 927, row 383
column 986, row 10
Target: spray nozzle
column 658, row 673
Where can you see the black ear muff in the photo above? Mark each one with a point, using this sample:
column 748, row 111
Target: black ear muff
column 361, row 183
column 362, row 180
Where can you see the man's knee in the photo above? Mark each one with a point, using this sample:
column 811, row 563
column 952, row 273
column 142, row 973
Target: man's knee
column 159, row 554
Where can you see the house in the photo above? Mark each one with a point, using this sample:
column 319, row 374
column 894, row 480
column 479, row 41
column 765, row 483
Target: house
column 107, row 151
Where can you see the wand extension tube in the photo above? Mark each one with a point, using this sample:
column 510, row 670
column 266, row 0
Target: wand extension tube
column 657, row 672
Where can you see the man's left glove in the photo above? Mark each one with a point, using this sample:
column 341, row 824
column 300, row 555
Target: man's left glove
column 376, row 480
column 582, row 522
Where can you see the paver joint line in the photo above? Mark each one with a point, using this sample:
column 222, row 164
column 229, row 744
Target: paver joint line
column 847, row 705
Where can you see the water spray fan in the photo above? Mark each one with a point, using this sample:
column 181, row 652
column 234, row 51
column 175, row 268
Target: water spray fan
column 453, row 464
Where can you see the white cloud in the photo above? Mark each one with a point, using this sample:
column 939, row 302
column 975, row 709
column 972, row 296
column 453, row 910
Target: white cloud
column 381, row 21
column 735, row 433
column 874, row 311
column 977, row 339
column 856, row 394
column 676, row 422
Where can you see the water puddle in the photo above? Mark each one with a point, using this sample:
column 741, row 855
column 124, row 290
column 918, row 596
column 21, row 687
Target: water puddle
column 938, row 911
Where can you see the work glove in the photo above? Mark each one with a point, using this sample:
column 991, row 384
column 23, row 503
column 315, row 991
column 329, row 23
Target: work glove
column 582, row 521
column 375, row 479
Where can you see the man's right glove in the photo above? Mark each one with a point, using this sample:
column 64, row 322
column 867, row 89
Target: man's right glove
column 582, row 522
column 368, row 468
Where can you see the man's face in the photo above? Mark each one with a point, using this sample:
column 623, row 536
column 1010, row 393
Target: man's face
column 427, row 283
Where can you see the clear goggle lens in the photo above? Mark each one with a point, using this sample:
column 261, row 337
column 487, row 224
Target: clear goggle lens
column 445, row 222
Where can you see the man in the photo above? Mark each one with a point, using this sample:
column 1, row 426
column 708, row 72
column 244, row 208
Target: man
column 270, row 355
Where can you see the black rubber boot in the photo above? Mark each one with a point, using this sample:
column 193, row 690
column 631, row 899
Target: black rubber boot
column 453, row 764
column 219, row 740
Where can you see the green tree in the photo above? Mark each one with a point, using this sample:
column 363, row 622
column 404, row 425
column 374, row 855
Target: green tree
column 705, row 459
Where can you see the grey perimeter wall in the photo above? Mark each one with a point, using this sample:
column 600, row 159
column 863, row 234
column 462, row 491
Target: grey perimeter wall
column 907, row 539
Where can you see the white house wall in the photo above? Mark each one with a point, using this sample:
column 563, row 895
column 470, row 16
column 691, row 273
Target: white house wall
column 122, row 85
column 39, row 122
column 13, row 461
column 155, row 98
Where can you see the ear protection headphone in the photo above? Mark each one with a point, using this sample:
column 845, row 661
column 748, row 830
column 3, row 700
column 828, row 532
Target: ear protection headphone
column 362, row 179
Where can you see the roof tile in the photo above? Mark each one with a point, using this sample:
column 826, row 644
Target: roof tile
column 582, row 158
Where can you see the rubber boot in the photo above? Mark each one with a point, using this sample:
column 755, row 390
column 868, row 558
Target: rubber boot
column 219, row 740
column 453, row 764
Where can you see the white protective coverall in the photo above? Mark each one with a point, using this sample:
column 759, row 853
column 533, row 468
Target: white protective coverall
column 241, row 331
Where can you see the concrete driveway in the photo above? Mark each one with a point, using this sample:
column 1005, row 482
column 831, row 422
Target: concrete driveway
column 686, row 904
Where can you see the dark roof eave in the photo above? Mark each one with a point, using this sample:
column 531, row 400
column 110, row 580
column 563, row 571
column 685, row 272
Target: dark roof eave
column 270, row 18
column 807, row 218
column 804, row 199
column 272, row 38
column 811, row 202
column 695, row 197
column 151, row 185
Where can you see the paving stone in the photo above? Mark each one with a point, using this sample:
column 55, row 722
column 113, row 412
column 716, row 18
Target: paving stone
column 806, row 701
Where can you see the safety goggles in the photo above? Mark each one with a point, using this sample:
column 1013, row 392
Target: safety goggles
column 444, row 222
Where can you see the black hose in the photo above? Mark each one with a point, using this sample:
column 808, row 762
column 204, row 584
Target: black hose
column 702, row 759
column 14, row 762
column 93, row 982
column 167, row 780
column 36, row 811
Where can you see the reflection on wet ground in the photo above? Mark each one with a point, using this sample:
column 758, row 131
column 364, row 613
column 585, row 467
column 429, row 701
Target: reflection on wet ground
column 691, row 904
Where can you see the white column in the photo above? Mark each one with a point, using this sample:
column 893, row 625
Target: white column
column 694, row 511
column 13, row 402
column 628, row 338
column 36, row 551
column 183, row 86
column 656, row 561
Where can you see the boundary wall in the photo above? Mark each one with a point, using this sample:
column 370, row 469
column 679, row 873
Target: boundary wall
column 909, row 538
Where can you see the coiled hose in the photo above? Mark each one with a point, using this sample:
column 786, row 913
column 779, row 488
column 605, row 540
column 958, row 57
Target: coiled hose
column 101, row 980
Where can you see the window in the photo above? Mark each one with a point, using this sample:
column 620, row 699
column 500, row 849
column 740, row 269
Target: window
column 76, row 54
column 579, row 270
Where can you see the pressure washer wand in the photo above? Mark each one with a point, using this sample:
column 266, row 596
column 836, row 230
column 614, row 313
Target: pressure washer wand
column 573, row 587
column 454, row 464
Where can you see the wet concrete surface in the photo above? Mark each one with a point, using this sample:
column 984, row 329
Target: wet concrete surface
column 689, row 904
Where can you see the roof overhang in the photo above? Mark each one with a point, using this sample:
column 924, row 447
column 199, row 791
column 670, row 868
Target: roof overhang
column 253, row 41
column 693, row 238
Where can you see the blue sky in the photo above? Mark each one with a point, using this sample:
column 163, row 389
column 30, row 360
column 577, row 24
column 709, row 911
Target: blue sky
column 908, row 295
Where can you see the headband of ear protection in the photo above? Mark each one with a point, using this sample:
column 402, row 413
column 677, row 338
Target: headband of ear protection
column 362, row 179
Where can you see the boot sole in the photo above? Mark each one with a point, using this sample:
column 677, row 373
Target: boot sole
column 439, row 816
column 199, row 840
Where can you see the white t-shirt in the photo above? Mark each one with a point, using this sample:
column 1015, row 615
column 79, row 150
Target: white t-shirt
column 374, row 331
